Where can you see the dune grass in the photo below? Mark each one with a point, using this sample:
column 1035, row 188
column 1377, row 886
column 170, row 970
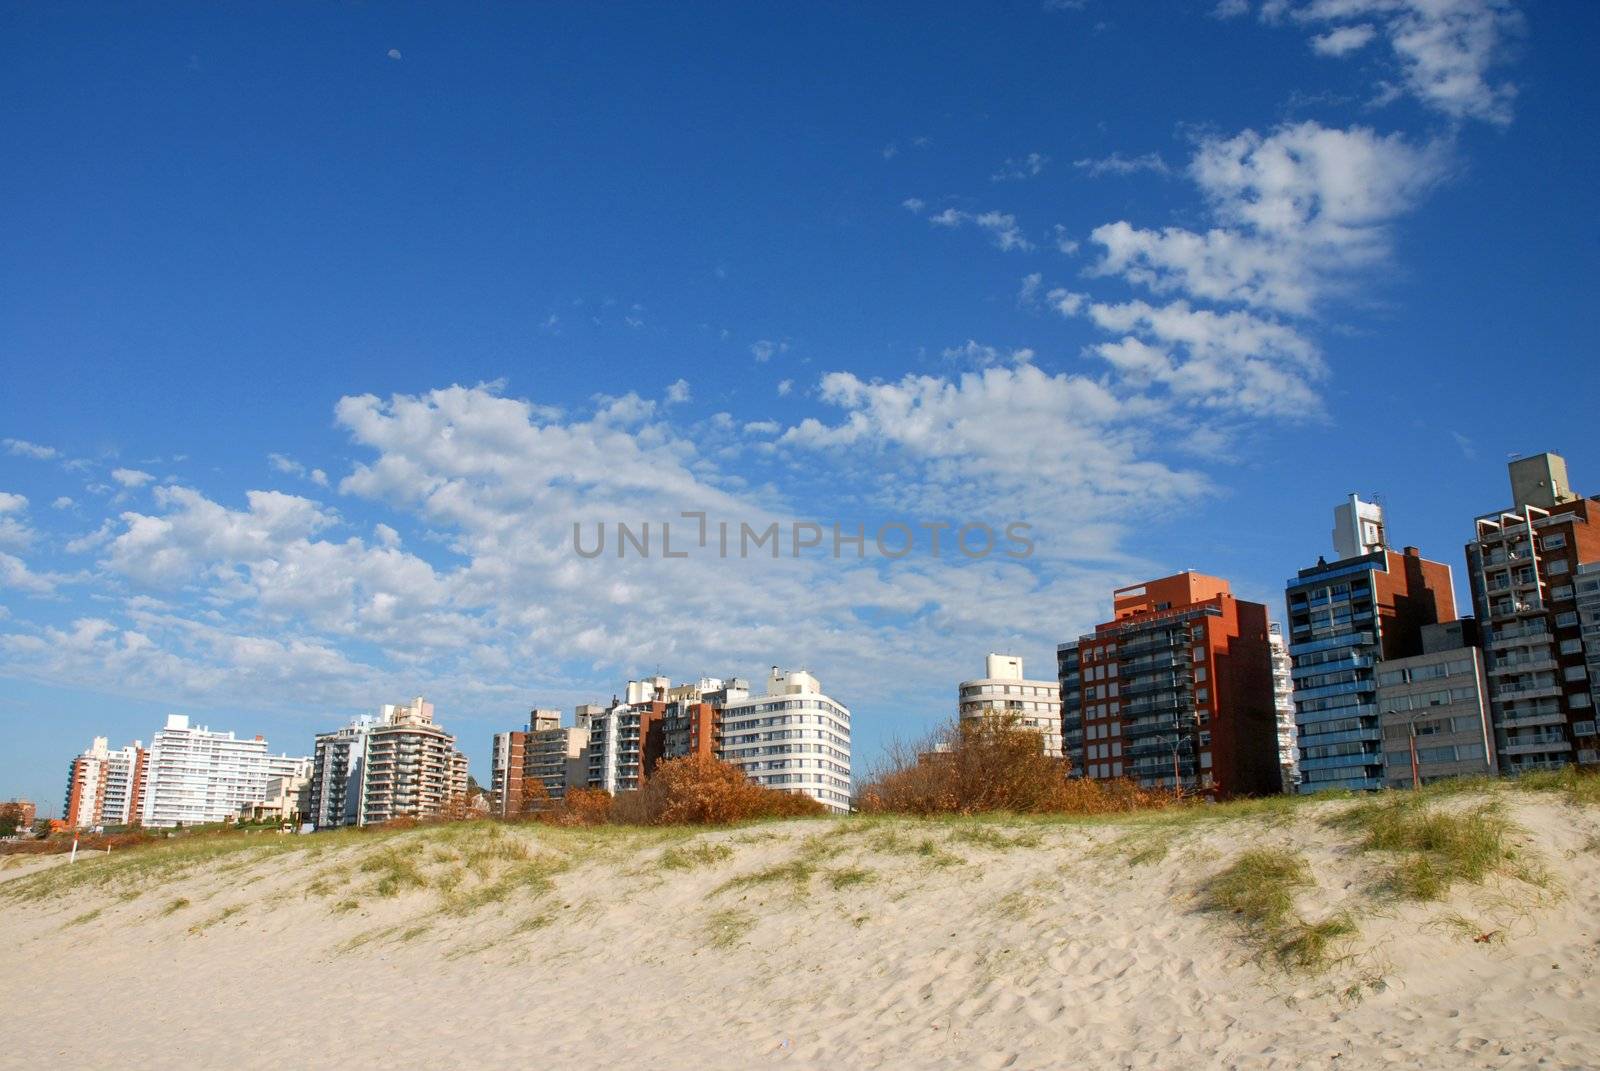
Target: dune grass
column 726, row 928
column 694, row 856
column 1432, row 847
column 1259, row 889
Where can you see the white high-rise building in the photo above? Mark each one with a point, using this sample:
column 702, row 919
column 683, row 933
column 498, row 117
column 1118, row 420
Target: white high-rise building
column 1357, row 529
column 196, row 775
column 794, row 738
column 1283, row 708
column 1004, row 691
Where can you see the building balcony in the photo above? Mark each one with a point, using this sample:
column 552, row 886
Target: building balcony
column 1504, row 667
column 1172, row 682
column 1541, row 691
column 1550, row 743
column 1528, row 721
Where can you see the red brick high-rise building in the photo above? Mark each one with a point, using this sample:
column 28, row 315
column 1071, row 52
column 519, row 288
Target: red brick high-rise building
column 1176, row 689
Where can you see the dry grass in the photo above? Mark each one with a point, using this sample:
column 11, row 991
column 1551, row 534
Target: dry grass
column 1434, row 847
column 1259, row 889
column 724, row 929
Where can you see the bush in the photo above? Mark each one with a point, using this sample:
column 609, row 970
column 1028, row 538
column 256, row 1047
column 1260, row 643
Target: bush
column 993, row 763
column 693, row 790
column 581, row 807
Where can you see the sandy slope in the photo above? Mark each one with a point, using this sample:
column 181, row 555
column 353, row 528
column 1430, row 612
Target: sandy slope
column 1067, row 953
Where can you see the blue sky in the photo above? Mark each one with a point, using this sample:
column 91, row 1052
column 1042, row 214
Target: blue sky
column 321, row 328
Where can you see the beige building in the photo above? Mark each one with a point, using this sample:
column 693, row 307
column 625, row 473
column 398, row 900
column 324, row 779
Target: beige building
column 1442, row 696
column 1004, row 690
column 398, row 765
column 544, row 752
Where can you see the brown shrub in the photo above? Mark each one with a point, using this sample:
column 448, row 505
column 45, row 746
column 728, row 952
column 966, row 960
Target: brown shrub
column 693, row 790
column 582, row 807
column 700, row 790
column 993, row 763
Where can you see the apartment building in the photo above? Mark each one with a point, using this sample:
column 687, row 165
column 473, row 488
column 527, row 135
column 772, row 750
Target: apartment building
column 22, row 814
column 106, row 787
column 1439, row 698
column 1524, row 564
column 794, row 738
column 400, row 764
column 1176, row 690
column 1345, row 618
column 1586, row 582
column 545, row 753
column 1069, row 674
column 1283, row 708
column 196, row 775
column 624, row 741
column 1003, row 690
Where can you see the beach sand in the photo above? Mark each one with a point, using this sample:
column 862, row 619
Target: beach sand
column 870, row 943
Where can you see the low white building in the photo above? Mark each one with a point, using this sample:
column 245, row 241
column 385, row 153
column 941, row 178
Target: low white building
column 794, row 738
column 195, row 775
column 1003, row 690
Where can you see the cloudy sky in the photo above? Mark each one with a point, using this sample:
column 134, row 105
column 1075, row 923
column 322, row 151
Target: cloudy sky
column 321, row 331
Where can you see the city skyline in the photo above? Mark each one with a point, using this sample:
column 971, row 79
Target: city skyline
column 304, row 400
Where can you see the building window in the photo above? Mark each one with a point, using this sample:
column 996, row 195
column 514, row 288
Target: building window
column 1556, row 567
column 1554, row 541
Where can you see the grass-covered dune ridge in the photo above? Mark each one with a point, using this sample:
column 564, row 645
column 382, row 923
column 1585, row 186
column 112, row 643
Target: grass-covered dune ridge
column 1442, row 927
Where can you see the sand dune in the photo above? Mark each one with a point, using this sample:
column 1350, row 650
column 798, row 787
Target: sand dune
column 826, row 944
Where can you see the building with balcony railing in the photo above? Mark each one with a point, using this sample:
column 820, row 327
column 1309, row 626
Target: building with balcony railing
column 397, row 765
column 1526, row 565
column 1283, row 708
column 1004, row 692
column 1175, row 691
column 194, row 775
column 1344, row 619
column 1441, row 698
column 106, row 787
column 545, row 753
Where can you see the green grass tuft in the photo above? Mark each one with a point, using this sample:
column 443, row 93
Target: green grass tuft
column 727, row 928
column 1435, row 847
column 1259, row 889
column 845, row 877
column 692, row 856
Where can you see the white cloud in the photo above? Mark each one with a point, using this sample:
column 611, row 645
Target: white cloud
column 131, row 478
column 14, row 529
column 1024, row 167
column 678, row 392
column 914, row 205
column 1117, row 164
column 982, row 356
column 762, row 427
column 62, row 502
column 1234, row 360
column 1301, row 211
column 765, row 349
column 990, row 440
column 1002, row 227
column 393, row 53
column 1444, row 49
column 16, row 576
column 785, row 386
column 1344, row 40
column 23, row 448
column 289, row 466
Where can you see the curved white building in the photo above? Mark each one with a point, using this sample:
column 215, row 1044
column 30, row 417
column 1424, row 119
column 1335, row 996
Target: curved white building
column 1004, row 690
column 794, row 738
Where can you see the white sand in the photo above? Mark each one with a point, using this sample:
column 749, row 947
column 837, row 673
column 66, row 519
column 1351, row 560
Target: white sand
column 1061, row 955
